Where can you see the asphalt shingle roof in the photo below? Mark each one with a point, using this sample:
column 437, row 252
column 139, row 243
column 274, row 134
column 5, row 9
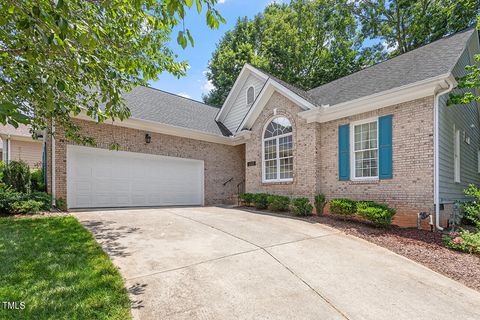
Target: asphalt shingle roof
column 155, row 105
column 431, row 60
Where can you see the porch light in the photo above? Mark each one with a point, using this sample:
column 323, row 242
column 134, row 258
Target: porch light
column 148, row 138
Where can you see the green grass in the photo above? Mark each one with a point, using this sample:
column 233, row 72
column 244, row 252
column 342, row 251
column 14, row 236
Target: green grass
column 56, row 267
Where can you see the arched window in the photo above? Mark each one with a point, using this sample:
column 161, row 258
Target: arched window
column 278, row 151
column 250, row 95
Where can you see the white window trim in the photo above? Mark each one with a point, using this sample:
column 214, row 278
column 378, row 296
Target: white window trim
column 246, row 95
column 456, row 151
column 352, row 150
column 277, row 157
column 478, row 161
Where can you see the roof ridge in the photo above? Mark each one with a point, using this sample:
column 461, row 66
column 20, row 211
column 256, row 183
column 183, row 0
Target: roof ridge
column 393, row 58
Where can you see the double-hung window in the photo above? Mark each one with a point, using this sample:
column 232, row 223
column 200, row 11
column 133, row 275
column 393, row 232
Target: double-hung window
column 365, row 150
column 278, row 151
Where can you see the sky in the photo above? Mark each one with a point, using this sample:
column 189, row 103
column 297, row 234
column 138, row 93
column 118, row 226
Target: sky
column 194, row 84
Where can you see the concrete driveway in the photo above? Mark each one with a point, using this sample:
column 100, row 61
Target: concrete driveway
column 219, row 263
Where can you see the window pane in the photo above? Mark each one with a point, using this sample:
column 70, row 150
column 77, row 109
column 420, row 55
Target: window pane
column 270, row 149
column 286, row 168
column 271, row 170
column 277, row 127
column 366, row 150
column 285, row 147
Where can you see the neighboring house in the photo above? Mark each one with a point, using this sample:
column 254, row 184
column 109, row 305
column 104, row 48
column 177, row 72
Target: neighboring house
column 17, row 144
column 384, row 133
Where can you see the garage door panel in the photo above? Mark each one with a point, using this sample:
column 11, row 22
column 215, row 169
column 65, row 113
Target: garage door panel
column 101, row 178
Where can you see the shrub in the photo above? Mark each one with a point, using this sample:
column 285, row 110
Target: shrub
column 37, row 180
column 26, row 206
column 278, row 203
column 247, row 198
column 261, row 200
column 17, row 175
column 44, row 198
column 8, row 196
column 471, row 209
column 319, row 203
column 379, row 214
column 302, row 206
column 344, row 207
column 463, row 241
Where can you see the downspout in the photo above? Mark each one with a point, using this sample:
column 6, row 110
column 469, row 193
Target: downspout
column 436, row 143
column 54, row 192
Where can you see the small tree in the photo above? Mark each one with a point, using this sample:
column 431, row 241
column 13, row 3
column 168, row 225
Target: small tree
column 17, row 175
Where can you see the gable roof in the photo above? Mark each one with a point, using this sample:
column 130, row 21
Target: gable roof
column 151, row 104
column 21, row 131
column 429, row 61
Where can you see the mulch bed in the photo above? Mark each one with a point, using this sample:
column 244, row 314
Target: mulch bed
column 422, row 246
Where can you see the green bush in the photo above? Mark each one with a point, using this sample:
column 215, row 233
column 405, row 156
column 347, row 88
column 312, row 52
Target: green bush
column 278, row 203
column 8, row 196
column 344, row 207
column 319, row 203
column 247, row 198
column 302, row 206
column 42, row 197
column 379, row 214
column 37, row 180
column 465, row 241
column 471, row 209
column 26, row 206
column 17, row 175
column 261, row 200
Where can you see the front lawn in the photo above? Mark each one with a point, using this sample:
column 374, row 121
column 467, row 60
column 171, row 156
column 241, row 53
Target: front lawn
column 59, row 271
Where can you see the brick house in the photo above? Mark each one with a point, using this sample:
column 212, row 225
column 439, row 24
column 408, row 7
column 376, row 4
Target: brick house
column 384, row 133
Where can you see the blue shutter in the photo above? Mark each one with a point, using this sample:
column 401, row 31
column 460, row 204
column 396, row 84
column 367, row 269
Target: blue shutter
column 343, row 152
column 385, row 147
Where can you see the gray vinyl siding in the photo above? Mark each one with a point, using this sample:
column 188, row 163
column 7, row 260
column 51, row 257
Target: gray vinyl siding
column 466, row 119
column 240, row 108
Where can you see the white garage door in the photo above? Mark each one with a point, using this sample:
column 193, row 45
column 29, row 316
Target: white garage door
column 102, row 178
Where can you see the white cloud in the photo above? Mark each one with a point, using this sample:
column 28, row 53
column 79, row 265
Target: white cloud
column 388, row 48
column 221, row 1
column 207, row 86
column 185, row 95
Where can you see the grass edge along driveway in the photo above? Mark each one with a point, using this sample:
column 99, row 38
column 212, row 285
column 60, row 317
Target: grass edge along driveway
column 55, row 266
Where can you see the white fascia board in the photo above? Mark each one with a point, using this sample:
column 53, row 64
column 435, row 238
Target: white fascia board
column 376, row 101
column 242, row 77
column 18, row 138
column 157, row 127
column 270, row 87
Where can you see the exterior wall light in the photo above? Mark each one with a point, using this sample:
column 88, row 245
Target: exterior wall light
column 148, row 138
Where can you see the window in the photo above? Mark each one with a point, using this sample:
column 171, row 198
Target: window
column 250, row 95
column 365, row 150
column 278, row 151
column 456, row 155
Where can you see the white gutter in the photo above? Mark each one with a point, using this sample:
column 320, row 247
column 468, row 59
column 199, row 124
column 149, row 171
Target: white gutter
column 436, row 142
column 54, row 191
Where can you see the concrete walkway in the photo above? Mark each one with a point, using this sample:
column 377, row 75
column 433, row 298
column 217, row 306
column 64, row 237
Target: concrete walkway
column 218, row 263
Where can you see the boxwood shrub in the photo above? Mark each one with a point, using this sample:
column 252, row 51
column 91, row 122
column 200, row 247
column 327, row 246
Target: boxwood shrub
column 302, row 206
column 343, row 206
column 379, row 214
column 278, row 203
column 248, row 199
column 261, row 200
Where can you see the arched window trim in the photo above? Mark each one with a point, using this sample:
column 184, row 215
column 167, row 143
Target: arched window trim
column 278, row 160
column 253, row 98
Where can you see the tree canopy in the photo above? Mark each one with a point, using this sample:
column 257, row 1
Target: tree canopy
column 306, row 43
column 311, row 42
column 57, row 56
column 404, row 25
